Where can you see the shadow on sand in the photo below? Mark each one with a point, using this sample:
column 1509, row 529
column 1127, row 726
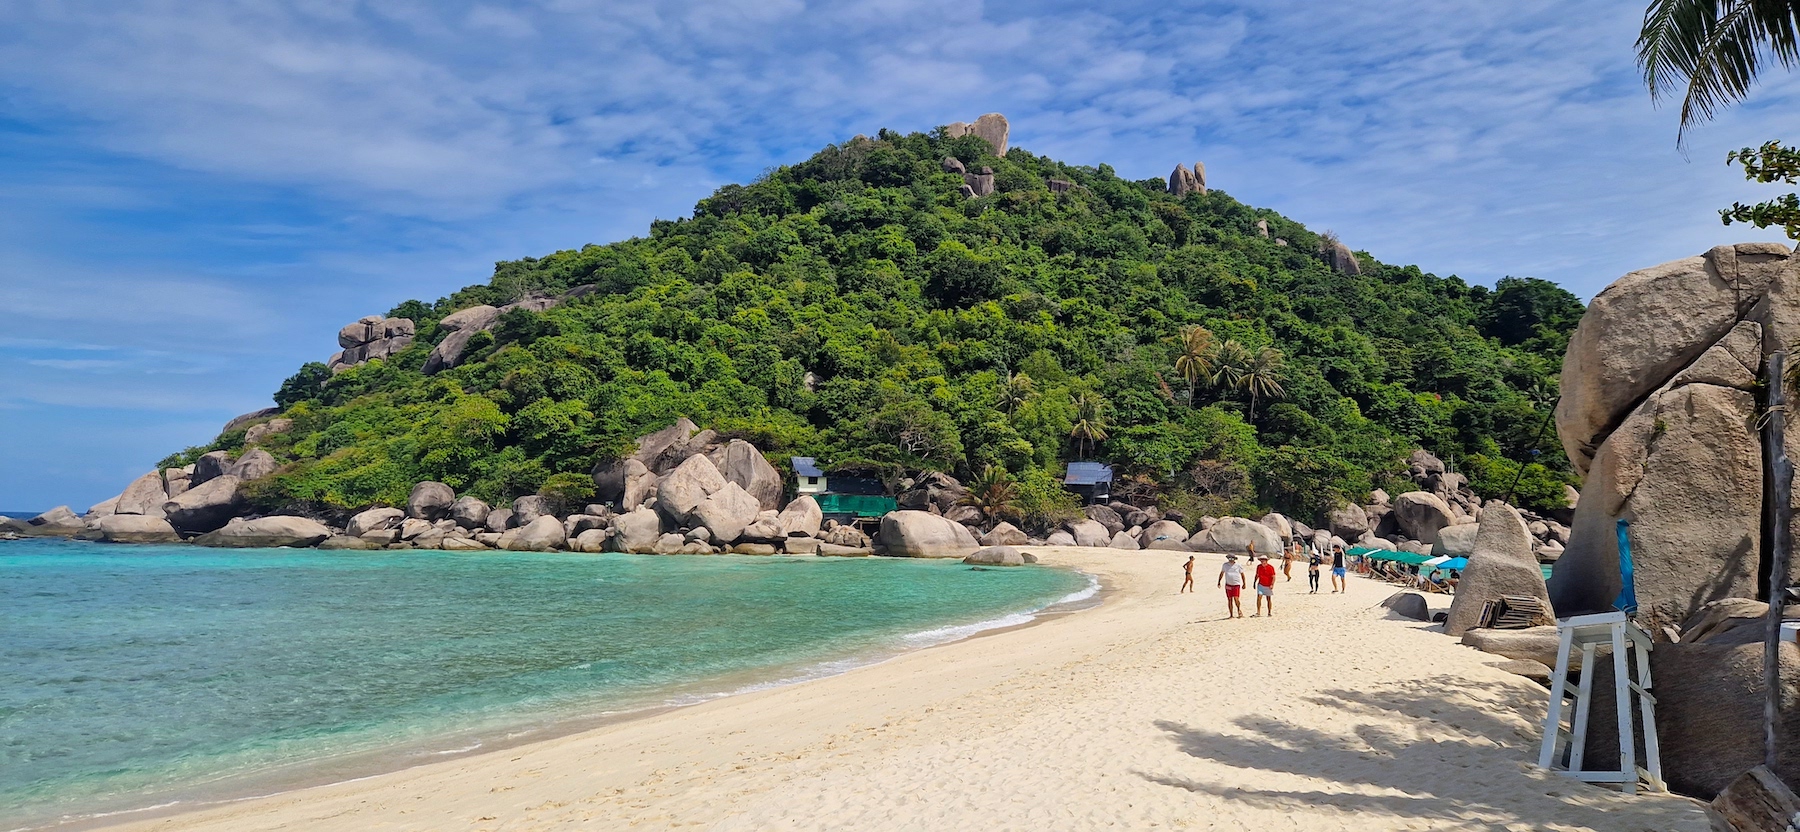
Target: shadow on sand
column 1457, row 764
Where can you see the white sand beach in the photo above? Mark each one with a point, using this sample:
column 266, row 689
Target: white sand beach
column 1148, row 712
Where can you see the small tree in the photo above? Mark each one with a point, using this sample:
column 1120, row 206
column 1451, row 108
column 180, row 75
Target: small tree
column 1089, row 427
column 995, row 494
column 1196, row 357
column 1773, row 162
column 1261, row 376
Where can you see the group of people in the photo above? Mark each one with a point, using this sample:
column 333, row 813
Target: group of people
column 1232, row 576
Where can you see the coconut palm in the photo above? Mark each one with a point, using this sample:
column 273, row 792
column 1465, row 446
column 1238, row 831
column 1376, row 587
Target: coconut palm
column 1228, row 367
column 1089, row 428
column 1015, row 393
column 1715, row 48
column 1261, row 376
column 1196, row 357
column 994, row 493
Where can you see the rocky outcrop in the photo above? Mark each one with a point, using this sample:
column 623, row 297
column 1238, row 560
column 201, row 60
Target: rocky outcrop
column 801, row 517
column 636, row 531
column 208, row 467
column 205, row 507
column 1183, row 182
column 137, row 528
column 686, row 487
column 266, row 533
column 741, row 463
column 375, row 521
column 726, row 512
column 1421, row 514
column 57, row 522
column 178, row 480
column 1090, row 533
column 260, row 432
column 1647, row 326
column 370, row 338
column 542, row 534
column 253, row 465
column 145, row 495
column 1456, row 541
column 996, row 556
column 431, row 501
column 951, row 164
column 470, row 513
column 934, row 491
column 1164, row 534
column 1501, row 563
column 1105, row 516
column 1348, row 521
column 529, row 508
column 1233, row 535
column 1004, row 534
column 920, row 534
column 460, row 326
column 243, row 422
column 1340, row 257
column 991, row 128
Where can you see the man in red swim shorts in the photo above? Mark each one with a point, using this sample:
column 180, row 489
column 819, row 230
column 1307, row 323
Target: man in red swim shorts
column 1232, row 578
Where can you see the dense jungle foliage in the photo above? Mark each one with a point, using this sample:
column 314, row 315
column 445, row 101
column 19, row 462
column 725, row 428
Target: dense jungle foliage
column 856, row 308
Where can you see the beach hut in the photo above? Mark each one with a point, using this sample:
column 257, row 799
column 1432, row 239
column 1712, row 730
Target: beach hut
column 1091, row 480
column 811, row 477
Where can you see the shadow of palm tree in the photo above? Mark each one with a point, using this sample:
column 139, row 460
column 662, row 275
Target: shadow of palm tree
column 1462, row 764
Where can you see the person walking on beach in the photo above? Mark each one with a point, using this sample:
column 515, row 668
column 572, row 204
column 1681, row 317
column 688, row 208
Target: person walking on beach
column 1231, row 576
column 1339, row 583
column 1265, row 586
column 1288, row 554
column 1187, row 579
column 1313, row 561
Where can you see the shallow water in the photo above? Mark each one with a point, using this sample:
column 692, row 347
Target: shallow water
column 135, row 675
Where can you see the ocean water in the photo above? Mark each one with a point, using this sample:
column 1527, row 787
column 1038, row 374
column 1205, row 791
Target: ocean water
column 145, row 675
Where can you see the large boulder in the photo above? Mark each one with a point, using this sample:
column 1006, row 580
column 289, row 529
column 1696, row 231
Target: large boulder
column 209, row 467
column 542, row 534
column 685, row 488
column 137, row 528
column 1455, row 541
column 1709, row 714
column 145, row 495
column 1164, row 531
column 205, row 507
column 430, row 501
column 847, row 536
column 801, row 517
column 921, row 534
column 1182, row 181
column 1348, row 521
column 996, row 556
column 1125, row 540
column 460, row 326
column 530, row 507
column 1684, row 471
column 470, row 513
column 1501, row 563
column 727, row 512
column 1409, row 605
column 1105, row 516
column 254, row 465
column 740, row 462
column 1004, row 534
column 1538, row 644
column 935, row 491
column 1278, row 523
column 1421, row 514
column 244, row 421
column 1233, row 535
column 1090, row 533
column 273, row 427
column 378, row 519
column 178, row 480
column 1060, row 538
column 636, row 531
column 370, row 338
column 266, row 533
column 1340, row 257
column 1648, row 325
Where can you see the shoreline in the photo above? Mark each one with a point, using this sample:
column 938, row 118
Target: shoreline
column 1146, row 710
column 369, row 764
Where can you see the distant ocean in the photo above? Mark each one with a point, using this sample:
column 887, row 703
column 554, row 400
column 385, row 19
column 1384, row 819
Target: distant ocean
column 22, row 515
column 141, row 675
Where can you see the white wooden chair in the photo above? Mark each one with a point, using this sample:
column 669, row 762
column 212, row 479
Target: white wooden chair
column 1565, row 746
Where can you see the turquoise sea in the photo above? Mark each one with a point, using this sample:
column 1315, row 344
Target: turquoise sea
column 147, row 675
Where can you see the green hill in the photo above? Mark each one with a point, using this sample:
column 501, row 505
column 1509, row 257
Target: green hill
column 857, row 308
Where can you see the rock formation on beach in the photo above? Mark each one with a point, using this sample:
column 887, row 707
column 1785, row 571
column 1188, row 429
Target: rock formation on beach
column 1659, row 409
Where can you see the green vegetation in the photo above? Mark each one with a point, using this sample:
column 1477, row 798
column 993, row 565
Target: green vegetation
column 854, row 307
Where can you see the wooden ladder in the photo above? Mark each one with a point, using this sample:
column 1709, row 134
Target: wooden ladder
column 1565, row 745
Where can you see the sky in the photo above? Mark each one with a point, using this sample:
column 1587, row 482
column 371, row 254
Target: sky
column 194, row 197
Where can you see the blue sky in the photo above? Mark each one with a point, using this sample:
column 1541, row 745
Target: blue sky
column 194, row 197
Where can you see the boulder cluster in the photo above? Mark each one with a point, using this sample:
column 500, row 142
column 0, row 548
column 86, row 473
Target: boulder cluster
column 992, row 128
column 1439, row 517
column 370, row 338
column 1183, row 181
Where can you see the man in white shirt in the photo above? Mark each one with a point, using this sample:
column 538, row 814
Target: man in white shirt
column 1231, row 576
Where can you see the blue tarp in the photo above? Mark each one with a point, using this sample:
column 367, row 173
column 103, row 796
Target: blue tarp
column 1087, row 473
column 1454, row 564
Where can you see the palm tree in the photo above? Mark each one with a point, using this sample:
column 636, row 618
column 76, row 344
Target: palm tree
column 1228, row 368
column 1261, row 376
column 1714, row 47
column 1089, row 427
column 1016, row 393
column 1198, row 354
column 994, row 493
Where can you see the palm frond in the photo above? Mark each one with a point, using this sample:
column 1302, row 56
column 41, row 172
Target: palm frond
column 1716, row 47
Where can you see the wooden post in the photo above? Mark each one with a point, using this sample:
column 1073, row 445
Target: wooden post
column 1780, row 513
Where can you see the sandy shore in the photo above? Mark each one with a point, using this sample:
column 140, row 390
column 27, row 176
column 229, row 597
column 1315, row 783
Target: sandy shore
column 1150, row 711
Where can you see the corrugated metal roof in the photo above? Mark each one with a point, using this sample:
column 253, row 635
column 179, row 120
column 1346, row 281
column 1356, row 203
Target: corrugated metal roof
column 1088, row 473
column 806, row 466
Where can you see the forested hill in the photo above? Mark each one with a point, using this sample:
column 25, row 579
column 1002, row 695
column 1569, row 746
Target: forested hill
column 858, row 307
